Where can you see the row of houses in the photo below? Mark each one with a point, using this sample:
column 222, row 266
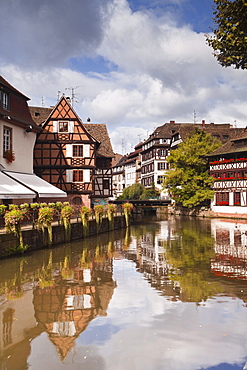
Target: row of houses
column 49, row 154
column 148, row 163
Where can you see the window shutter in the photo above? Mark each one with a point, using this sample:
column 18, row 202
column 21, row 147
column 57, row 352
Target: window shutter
column 86, row 175
column 69, row 176
column 55, row 126
column 68, row 150
column 71, row 126
column 86, row 151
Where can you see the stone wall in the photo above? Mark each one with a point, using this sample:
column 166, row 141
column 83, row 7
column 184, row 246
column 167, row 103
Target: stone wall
column 35, row 239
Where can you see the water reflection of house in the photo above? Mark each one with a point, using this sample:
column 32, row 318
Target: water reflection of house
column 230, row 248
column 65, row 309
column 149, row 253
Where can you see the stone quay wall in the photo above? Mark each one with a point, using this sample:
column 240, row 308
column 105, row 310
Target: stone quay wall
column 36, row 239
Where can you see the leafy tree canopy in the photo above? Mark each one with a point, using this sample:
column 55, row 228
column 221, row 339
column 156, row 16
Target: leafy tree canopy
column 188, row 180
column 229, row 41
column 138, row 192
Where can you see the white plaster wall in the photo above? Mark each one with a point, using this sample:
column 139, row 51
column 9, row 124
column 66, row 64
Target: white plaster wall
column 130, row 175
column 22, row 146
column 229, row 209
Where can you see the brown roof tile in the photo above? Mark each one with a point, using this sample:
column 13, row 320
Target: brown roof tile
column 100, row 133
column 217, row 130
column 40, row 114
column 230, row 146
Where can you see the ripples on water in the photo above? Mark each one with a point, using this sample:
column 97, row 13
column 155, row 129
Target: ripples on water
column 168, row 294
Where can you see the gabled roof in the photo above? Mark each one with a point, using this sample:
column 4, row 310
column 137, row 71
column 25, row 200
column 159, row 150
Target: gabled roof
column 163, row 132
column 100, row 132
column 63, row 110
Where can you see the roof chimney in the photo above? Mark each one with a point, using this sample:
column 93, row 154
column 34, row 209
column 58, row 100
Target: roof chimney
column 172, row 121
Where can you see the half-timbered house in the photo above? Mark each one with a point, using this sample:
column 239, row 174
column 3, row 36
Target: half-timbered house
column 228, row 166
column 155, row 151
column 73, row 156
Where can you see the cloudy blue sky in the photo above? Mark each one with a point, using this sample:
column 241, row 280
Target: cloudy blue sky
column 133, row 65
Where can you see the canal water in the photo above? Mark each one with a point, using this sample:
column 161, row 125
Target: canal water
column 168, row 294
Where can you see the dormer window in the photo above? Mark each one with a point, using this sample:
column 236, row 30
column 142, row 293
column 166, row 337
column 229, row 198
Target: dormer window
column 5, row 100
column 63, row 126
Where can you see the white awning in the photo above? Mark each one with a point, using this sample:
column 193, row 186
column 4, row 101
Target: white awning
column 10, row 189
column 41, row 187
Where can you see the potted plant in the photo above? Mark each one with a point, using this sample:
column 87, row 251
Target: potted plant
column 9, row 155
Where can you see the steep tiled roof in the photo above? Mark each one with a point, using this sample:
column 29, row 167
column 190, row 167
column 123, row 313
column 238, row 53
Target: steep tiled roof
column 116, row 158
column 230, row 146
column 40, row 114
column 164, row 131
column 217, row 130
column 99, row 132
column 121, row 161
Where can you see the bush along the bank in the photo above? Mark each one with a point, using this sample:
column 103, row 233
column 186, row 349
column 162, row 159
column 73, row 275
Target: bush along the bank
column 45, row 218
column 127, row 208
column 99, row 211
column 2, row 209
column 13, row 220
column 85, row 214
column 65, row 216
column 111, row 210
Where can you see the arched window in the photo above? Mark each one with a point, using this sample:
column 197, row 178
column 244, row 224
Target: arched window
column 77, row 201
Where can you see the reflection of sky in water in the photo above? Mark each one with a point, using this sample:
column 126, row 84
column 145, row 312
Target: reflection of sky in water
column 143, row 330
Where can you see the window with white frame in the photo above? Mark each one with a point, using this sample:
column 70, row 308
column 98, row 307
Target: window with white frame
column 162, row 152
column 7, row 138
column 161, row 166
column 160, row 179
column 5, row 100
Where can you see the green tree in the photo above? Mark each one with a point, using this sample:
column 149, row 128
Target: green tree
column 188, row 180
column 132, row 192
column 189, row 256
column 138, row 191
column 229, row 40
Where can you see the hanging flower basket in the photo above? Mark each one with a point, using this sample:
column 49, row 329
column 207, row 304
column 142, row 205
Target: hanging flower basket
column 9, row 155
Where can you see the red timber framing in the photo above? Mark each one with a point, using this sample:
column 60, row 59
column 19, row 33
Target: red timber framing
column 65, row 152
column 229, row 174
column 228, row 166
